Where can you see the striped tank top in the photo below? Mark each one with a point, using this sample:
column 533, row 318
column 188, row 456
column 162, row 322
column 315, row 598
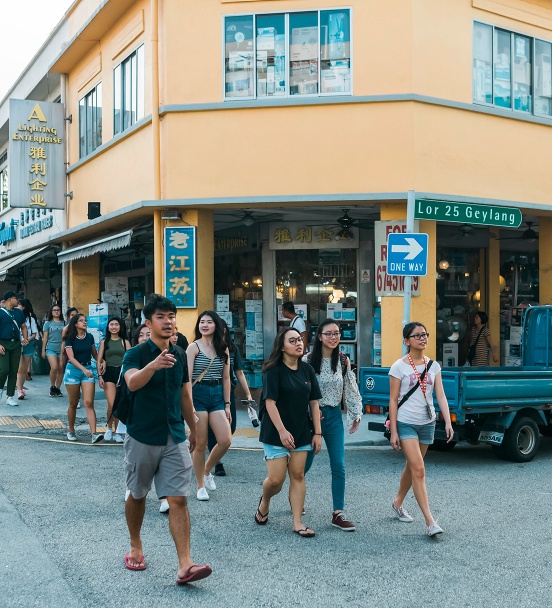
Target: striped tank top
column 202, row 362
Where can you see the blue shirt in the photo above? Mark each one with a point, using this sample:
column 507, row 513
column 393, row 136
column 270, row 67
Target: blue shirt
column 8, row 330
column 157, row 407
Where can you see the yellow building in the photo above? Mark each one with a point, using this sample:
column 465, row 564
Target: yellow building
column 290, row 133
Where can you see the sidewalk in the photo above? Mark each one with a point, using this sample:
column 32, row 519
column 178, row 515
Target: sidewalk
column 41, row 414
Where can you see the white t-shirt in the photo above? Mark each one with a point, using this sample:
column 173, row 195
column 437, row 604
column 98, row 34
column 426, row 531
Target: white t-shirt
column 298, row 324
column 414, row 409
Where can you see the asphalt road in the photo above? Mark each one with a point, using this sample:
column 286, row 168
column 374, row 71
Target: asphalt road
column 63, row 535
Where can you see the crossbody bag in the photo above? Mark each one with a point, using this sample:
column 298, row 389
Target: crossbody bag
column 202, row 375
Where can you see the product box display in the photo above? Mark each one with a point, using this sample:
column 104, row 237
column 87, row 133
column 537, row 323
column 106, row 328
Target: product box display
column 107, row 308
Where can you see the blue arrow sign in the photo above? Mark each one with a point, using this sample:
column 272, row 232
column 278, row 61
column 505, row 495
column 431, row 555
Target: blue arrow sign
column 407, row 254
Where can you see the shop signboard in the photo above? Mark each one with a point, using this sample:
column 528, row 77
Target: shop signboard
column 386, row 284
column 464, row 213
column 181, row 266
column 36, row 159
column 298, row 235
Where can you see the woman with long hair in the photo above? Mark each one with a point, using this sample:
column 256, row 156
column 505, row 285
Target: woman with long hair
column 331, row 368
column 112, row 350
column 289, row 406
column 209, row 365
column 481, row 343
column 412, row 380
column 51, row 348
column 80, row 374
column 27, row 353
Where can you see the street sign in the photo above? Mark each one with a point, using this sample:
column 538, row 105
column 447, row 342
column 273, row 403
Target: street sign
column 463, row 213
column 407, row 254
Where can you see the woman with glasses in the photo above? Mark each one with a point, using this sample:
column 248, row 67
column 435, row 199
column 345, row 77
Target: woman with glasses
column 51, row 348
column 290, row 390
column 331, row 367
column 412, row 417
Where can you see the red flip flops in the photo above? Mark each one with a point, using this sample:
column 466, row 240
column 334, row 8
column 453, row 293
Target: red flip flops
column 140, row 563
column 200, row 572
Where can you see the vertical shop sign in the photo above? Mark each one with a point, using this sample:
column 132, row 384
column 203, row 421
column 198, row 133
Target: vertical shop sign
column 181, row 266
column 36, row 158
column 387, row 285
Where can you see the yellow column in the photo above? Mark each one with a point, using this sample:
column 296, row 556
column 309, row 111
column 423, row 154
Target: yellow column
column 492, row 301
column 84, row 283
column 545, row 260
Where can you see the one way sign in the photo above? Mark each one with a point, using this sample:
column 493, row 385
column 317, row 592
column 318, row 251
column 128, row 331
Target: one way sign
column 407, row 254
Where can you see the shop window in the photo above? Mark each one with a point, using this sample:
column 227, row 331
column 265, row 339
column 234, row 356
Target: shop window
column 90, row 121
column 504, row 73
column 4, row 189
column 287, row 54
column 128, row 87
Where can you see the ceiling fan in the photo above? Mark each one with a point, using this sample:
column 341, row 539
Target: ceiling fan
column 527, row 235
column 247, row 217
column 468, row 230
column 346, row 222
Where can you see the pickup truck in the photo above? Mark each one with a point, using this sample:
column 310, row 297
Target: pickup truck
column 508, row 408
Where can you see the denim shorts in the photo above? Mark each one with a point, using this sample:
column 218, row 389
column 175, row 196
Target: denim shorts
column 73, row 375
column 271, row 452
column 52, row 353
column 424, row 433
column 29, row 349
column 208, row 398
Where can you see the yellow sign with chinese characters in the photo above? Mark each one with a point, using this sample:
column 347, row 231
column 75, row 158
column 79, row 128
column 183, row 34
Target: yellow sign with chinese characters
column 36, row 155
column 295, row 235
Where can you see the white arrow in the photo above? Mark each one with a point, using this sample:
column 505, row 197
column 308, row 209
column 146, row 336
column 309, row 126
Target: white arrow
column 413, row 249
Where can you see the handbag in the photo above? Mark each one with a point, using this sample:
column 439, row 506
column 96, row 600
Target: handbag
column 387, row 431
column 471, row 350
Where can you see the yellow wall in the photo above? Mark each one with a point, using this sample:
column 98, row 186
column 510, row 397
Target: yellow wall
column 84, row 282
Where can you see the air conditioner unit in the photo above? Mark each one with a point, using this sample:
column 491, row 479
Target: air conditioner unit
column 170, row 214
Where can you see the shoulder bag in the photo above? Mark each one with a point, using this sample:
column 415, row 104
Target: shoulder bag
column 471, row 351
column 202, row 375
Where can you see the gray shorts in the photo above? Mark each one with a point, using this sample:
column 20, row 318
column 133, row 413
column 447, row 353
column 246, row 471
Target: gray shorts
column 169, row 465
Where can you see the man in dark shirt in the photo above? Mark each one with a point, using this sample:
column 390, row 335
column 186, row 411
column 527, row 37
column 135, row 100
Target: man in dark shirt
column 155, row 445
column 13, row 334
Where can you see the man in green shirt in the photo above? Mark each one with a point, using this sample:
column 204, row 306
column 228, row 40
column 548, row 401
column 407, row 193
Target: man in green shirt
column 156, row 447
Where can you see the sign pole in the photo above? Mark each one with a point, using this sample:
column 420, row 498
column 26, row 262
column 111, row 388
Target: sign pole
column 410, row 206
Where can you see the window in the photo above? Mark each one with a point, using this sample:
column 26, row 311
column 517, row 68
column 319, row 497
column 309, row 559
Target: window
column 512, row 71
column 287, row 54
column 4, row 189
column 90, row 121
column 128, row 87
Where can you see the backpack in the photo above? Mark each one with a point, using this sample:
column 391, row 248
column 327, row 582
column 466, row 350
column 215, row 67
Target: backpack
column 124, row 398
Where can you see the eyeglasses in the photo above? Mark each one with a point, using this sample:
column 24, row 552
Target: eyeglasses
column 331, row 334
column 419, row 336
column 294, row 341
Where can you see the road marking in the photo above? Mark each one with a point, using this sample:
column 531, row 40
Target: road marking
column 246, row 432
column 52, row 424
column 6, row 421
column 27, row 423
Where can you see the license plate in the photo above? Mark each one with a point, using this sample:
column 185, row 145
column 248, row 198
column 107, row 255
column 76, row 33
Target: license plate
column 491, row 437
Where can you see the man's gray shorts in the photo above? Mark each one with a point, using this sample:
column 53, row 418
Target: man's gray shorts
column 169, row 465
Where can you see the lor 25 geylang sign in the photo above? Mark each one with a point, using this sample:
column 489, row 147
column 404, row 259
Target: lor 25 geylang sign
column 36, row 155
column 181, row 266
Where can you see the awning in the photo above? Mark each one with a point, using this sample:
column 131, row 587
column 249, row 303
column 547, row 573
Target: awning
column 109, row 243
column 16, row 260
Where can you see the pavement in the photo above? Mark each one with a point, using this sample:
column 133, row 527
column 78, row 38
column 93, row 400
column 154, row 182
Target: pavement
column 40, row 414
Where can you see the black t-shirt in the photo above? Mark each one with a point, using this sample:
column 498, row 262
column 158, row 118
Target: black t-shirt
column 82, row 348
column 291, row 390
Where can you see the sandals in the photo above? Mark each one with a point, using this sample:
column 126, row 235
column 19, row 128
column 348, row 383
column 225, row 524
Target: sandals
column 189, row 577
column 139, row 563
column 260, row 517
column 304, row 533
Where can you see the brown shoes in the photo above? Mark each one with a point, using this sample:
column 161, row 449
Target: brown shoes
column 339, row 521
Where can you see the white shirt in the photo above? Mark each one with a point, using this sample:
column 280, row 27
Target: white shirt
column 298, row 324
column 414, row 409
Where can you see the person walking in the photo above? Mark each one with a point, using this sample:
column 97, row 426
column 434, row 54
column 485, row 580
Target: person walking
column 27, row 352
column 51, row 348
column 80, row 374
column 236, row 376
column 297, row 322
column 13, row 335
column 481, row 343
column 412, row 380
column 332, row 369
column 111, row 351
column 155, row 446
column 290, row 399
column 209, row 360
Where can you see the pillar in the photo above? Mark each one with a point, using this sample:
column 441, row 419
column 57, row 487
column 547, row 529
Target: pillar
column 545, row 260
column 84, row 283
column 492, row 301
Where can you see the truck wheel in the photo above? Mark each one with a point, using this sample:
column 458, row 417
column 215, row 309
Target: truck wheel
column 440, row 445
column 521, row 441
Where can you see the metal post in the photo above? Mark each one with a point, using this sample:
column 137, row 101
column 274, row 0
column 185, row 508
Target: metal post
column 410, row 204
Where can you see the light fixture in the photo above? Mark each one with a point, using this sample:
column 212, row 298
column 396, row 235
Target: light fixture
column 443, row 264
column 477, row 296
column 501, row 283
column 248, row 221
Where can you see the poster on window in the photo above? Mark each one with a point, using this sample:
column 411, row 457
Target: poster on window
column 181, row 266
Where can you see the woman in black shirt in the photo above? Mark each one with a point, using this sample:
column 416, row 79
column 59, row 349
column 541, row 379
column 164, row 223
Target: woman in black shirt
column 290, row 391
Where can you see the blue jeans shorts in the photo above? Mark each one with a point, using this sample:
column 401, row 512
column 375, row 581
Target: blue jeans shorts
column 73, row 375
column 424, row 433
column 52, row 353
column 29, row 349
column 207, row 398
column 271, row 452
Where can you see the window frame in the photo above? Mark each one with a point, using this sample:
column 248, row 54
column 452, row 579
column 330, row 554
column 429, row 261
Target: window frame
column 136, row 102
column 91, row 95
column 532, row 47
column 287, row 36
column 4, row 175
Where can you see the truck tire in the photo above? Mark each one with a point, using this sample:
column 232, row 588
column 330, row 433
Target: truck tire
column 521, row 441
column 440, row 445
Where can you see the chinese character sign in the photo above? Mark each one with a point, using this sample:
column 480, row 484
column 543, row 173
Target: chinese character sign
column 295, row 235
column 36, row 157
column 180, row 266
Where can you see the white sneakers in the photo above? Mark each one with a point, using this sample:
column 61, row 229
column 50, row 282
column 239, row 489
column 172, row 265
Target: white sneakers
column 202, row 494
column 164, row 508
column 108, row 435
column 433, row 529
column 11, row 401
column 118, row 438
column 71, row 436
column 209, row 482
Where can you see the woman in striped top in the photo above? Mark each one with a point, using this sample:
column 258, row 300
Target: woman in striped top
column 209, row 364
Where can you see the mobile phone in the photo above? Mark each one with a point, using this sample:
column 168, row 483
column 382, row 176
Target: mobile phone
column 247, row 402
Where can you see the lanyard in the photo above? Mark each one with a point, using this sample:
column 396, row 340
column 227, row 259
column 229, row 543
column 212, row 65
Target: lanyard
column 422, row 381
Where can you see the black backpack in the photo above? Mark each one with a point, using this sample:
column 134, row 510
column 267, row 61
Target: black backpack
column 124, row 398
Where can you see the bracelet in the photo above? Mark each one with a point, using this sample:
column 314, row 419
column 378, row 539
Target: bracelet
column 227, row 403
column 318, row 434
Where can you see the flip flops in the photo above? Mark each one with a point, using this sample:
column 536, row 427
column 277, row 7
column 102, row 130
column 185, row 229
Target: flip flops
column 189, row 577
column 304, row 533
column 259, row 517
column 140, row 564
